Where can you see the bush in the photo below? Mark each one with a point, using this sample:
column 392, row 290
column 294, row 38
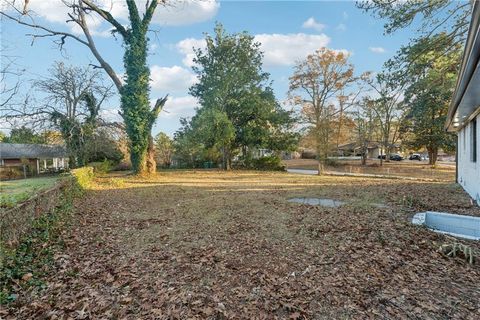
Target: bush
column 123, row 166
column 332, row 162
column 273, row 163
column 102, row 167
column 9, row 173
column 84, row 176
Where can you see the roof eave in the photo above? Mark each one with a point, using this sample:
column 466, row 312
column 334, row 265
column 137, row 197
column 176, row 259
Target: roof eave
column 469, row 64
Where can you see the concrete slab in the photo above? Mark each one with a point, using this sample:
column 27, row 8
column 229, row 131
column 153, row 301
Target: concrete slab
column 331, row 203
column 457, row 225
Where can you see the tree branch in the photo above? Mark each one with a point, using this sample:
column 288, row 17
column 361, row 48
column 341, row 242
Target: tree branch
column 107, row 16
column 150, row 9
column 91, row 44
column 159, row 106
column 52, row 32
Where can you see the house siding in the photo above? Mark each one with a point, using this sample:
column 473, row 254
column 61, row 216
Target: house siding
column 468, row 170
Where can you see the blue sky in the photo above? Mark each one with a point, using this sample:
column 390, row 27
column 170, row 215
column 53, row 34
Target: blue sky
column 288, row 30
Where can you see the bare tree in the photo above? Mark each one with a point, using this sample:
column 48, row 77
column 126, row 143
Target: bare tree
column 10, row 82
column 316, row 82
column 136, row 112
column 71, row 105
column 365, row 127
column 387, row 108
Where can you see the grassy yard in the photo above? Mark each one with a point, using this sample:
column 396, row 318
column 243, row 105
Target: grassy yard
column 15, row 191
column 215, row 245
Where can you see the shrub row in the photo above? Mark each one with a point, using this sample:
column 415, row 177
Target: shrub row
column 273, row 163
column 83, row 176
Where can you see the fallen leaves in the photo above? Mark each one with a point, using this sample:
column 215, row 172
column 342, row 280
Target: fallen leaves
column 217, row 245
column 27, row 276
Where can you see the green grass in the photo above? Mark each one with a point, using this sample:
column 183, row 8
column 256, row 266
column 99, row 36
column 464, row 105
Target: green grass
column 16, row 191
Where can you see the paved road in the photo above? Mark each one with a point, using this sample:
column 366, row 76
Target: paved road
column 366, row 175
column 303, row 171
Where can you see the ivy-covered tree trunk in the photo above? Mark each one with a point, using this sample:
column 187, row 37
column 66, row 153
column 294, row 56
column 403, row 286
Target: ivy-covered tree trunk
column 135, row 96
column 137, row 114
column 151, row 163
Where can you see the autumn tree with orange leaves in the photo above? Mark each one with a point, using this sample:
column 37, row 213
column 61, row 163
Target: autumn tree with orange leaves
column 318, row 82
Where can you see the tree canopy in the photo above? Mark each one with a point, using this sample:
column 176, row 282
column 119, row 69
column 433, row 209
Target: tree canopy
column 238, row 108
column 316, row 83
column 430, row 85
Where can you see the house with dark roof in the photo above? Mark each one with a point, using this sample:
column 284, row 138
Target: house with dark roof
column 39, row 157
column 464, row 111
column 374, row 149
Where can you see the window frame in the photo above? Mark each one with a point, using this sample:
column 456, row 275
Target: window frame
column 473, row 140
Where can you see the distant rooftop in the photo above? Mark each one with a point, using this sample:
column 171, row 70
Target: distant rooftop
column 31, row 151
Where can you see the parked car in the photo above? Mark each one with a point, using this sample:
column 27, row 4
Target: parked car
column 393, row 156
column 396, row 157
column 415, row 156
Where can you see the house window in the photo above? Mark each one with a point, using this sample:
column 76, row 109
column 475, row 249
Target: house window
column 473, row 140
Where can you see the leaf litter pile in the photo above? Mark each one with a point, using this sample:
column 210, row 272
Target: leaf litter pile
column 214, row 245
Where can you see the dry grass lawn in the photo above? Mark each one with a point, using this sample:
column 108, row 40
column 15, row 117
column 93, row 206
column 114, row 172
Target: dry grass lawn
column 405, row 168
column 215, row 245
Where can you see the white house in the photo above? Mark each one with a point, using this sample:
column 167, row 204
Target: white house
column 464, row 112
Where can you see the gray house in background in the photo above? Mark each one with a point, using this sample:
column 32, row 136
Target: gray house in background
column 39, row 157
column 464, row 112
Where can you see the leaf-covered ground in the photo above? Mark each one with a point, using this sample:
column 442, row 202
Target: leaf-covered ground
column 214, row 245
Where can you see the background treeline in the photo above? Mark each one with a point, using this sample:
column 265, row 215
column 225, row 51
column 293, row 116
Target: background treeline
column 240, row 122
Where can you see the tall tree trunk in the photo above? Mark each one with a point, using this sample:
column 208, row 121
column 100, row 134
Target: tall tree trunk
column 364, row 155
column 432, row 155
column 224, row 157
column 135, row 99
column 151, row 164
column 229, row 163
column 321, row 166
column 227, row 159
column 382, row 153
column 387, row 151
column 321, row 159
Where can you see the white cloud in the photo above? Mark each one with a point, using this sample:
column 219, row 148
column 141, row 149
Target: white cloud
column 345, row 15
column 186, row 47
column 377, row 49
column 179, row 107
column 310, row 23
column 186, row 12
column 286, row 49
column 173, row 78
column 279, row 49
column 179, row 12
